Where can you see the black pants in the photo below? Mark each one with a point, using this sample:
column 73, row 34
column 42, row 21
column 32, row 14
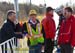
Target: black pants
column 49, row 45
column 66, row 48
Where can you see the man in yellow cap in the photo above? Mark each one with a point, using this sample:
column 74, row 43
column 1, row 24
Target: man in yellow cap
column 33, row 28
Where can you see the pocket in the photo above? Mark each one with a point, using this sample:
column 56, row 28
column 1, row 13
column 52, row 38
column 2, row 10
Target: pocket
column 66, row 38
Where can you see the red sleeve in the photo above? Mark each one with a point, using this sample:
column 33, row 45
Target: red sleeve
column 73, row 33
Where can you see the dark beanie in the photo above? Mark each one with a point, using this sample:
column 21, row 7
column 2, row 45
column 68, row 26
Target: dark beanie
column 49, row 9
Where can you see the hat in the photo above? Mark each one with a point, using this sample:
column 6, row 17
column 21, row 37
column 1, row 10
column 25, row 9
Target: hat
column 10, row 12
column 32, row 12
column 49, row 9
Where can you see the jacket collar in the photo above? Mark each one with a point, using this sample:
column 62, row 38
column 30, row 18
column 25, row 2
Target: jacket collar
column 32, row 21
column 49, row 16
column 9, row 21
column 70, row 17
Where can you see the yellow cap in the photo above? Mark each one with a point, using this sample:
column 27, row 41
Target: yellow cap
column 32, row 12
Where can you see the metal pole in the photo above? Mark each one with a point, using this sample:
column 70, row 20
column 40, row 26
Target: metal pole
column 44, row 6
column 30, row 4
column 70, row 2
column 16, row 7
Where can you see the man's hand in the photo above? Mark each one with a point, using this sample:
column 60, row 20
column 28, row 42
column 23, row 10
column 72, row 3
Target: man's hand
column 39, row 35
column 52, row 39
column 28, row 36
column 58, row 46
column 72, row 46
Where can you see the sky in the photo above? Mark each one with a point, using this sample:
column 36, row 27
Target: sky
column 52, row 3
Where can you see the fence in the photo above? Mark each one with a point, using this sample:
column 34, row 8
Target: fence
column 8, row 46
column 13, row 46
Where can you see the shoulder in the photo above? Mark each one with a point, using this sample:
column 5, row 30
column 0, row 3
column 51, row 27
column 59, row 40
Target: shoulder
column 37, row 21
column 7, row 24
column 25, row 23
column 73, row 18
column 44, row 20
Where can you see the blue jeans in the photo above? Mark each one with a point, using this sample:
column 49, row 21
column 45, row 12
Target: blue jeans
column 35, row 49
column 58, row 50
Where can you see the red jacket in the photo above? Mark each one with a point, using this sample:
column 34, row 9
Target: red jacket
column 67, row 31
column 49, row 27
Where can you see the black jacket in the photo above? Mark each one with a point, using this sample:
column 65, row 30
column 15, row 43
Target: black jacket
column 8, row 31
column 18, row 28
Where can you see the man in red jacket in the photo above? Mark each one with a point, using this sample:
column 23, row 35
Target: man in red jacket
column 49, row 27
column 66, row 38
